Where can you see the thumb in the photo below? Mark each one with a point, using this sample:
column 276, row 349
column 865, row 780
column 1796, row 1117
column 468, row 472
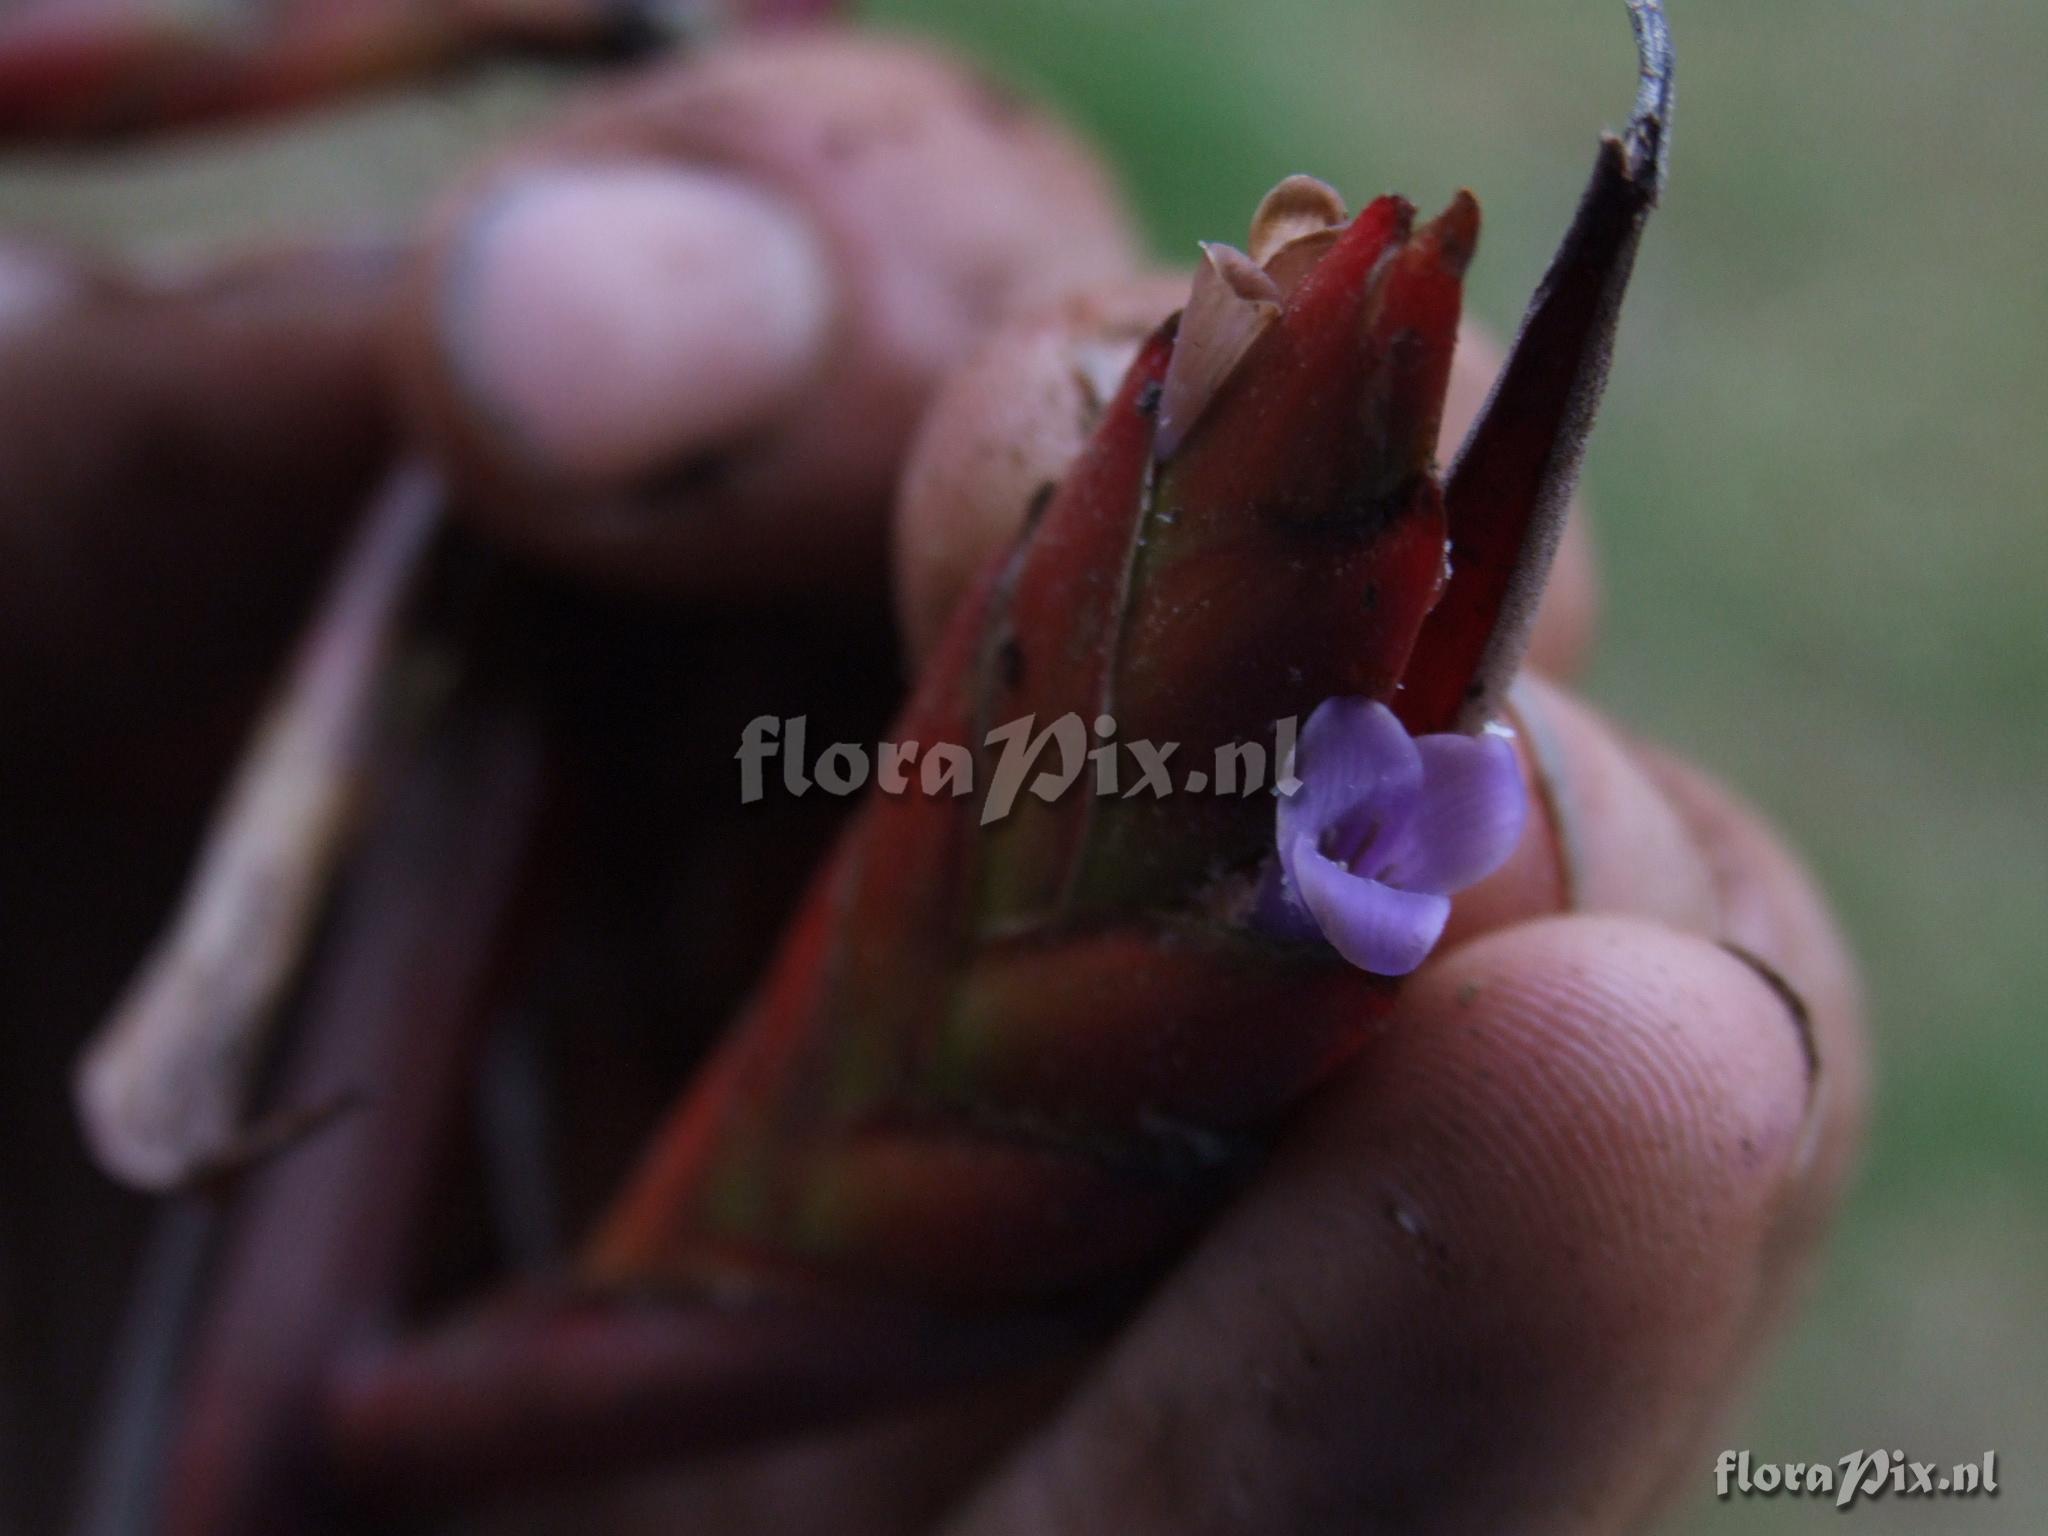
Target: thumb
column 679, row 342
column 1497, row 1282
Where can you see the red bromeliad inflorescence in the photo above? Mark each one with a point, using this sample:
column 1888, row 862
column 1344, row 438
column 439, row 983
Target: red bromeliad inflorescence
column 1009, row 1062
column 1012, row 1064
column 1000, row 1073
column 1003, row 1068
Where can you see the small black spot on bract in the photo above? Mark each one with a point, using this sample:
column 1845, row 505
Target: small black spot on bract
column 1040, row 500
column 1148, row 399
column 1010, row 663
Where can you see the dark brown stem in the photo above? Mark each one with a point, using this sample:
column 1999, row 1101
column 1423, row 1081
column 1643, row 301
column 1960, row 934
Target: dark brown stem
column 118, row 1493
column 163, row 1089
column 557, row 1387
column 394, row 1014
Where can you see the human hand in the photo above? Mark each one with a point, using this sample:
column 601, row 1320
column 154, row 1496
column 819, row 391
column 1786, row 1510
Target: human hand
column 1499, row 1273
column 188, row 444
column 1507, row 1270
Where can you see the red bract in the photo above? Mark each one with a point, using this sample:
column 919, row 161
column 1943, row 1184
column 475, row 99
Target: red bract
column 1014, row 1062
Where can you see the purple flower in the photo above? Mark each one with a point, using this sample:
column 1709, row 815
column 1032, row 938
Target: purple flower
column 1381, row 828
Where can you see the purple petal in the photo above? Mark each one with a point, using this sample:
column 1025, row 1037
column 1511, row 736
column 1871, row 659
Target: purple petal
column 1360, row 777
column 1376, row 927
column 1467, row 819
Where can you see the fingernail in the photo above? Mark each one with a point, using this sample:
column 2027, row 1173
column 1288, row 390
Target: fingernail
column 1620, row 844
column 614, row 320
column 1549, row 773
column 1796, row 1009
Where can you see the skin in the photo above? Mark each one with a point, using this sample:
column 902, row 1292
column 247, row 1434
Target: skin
column 1506, row 1273
column 850, row 155
column 1503, row 1275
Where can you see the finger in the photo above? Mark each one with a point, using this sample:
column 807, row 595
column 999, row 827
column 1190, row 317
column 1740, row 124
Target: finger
column 1617, row 826
column 1494, row 1280
column 1623, row 828
column 1617, row 1067
column 682, row 340
column 182, row 453
column 1602, row 836
column 1000, row 434
column 1662, row 1025
column 1772, row 913
column 1006, row 426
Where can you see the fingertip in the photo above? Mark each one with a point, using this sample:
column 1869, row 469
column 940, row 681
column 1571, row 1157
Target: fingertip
column 1596, row 1129
column 1601, row 836
column 695, row 335
column 1493, row 1281
column 1634, row 1064
column 1621, row 827
column 1773, row 911
column 1001, row 433
column 612, row 319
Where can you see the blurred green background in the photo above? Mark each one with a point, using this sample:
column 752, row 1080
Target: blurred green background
column 1820, row 487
